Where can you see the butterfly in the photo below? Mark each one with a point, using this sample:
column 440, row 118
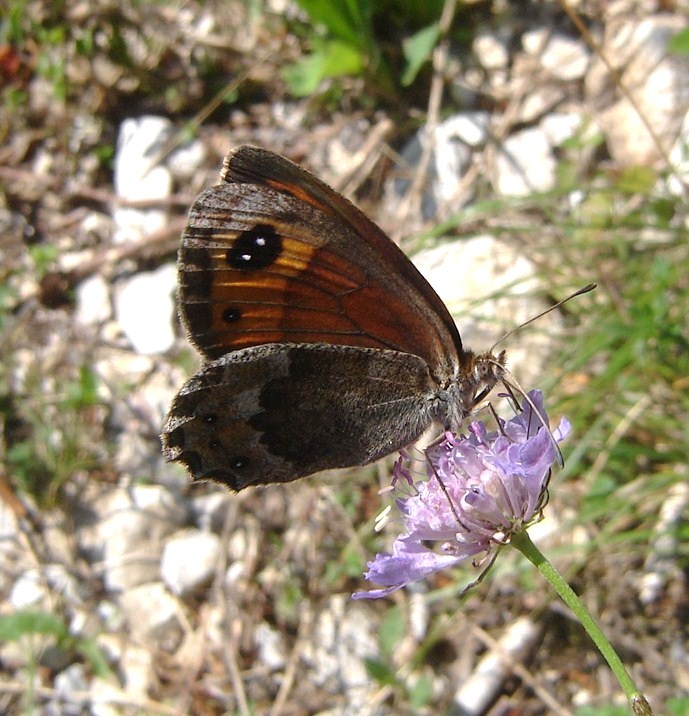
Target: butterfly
column 324, row 346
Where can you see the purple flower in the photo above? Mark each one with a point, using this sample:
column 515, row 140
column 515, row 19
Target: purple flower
column 495, row 484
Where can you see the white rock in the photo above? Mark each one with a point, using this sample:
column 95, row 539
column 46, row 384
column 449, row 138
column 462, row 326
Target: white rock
column 116, row 364
column 491, row 51
column 98, row 225
column 419, row 615
column 126, row 529
column 476, row 693
column 343, row 636
column 470, row 128
column 270, row 647
column 187, row 160
column 109, row 615
column 658, row 82
column 34, row 587
column 93, row 301
column 106, row 698
column 662, row 564
column 525, row 164
column 138, row 670
column 145, row 309
column 12, row 551
column 139, row 177
column 564, row 57
column 189, row 560
column 209, row 510
column 71, row 697
column 453, row 141
column 153, row 614
column 71, row 679
column 29, row 590
column 559, row 127
column 455, row 138
column 539, row 101
column 490, row 288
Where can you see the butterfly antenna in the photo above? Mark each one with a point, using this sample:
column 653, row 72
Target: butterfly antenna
column 580, row 292
column 514, row 386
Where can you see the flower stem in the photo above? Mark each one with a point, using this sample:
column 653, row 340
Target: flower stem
column 522, row 541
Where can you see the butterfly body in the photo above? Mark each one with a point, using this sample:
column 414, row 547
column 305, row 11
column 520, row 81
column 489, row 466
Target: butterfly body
column 325, row 346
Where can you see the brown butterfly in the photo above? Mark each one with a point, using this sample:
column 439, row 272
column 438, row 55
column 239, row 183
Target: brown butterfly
column 324, row 345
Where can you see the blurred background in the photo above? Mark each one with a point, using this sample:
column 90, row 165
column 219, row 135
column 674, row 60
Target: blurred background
column 517, row 151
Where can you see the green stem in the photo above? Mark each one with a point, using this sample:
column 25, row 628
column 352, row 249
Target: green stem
column 522, row 541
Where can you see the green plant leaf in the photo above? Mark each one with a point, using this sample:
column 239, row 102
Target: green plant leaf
column 90, row 650
column 43, row 256
column 14, row 626
column 680, row 42
column 333, row 59
column 418, row 50
column 637, row 180
column 379, row 671
column 392, row 630
column 602, row 711
column 83, row 392
column 347, row 20
column 678, row 706
column 421, row 693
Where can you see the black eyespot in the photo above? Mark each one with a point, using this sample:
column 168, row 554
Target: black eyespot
column 213, row 444
column 230, row 315
column 210, row 418
column 255, row 248
column 239, row 462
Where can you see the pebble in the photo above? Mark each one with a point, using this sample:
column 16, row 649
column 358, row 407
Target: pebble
column 145, row 309
column 565, row 58
column 139, row 177
column 189, row 560
column 525, row 164
column 153, row 615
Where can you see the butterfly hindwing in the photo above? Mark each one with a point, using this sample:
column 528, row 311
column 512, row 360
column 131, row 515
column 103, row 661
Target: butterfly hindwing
column 257, row 416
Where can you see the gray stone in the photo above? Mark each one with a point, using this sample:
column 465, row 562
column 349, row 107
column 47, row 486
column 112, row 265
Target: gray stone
column 657, row 80
column 153, row 614
column 525, row 164
column 139, row 176
column 343, row 636
column 145, row 309
column 453, row 142
column 189, row 560
column 490, row 288
column 492, row 51
column 93, row 301
column 271, row 647
column 565, row 58
column 126, row 528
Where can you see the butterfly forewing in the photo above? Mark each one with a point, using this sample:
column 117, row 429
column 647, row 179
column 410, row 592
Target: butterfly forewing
column 274, row 255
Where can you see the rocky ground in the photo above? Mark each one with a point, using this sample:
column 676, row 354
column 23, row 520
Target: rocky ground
column 123, row 588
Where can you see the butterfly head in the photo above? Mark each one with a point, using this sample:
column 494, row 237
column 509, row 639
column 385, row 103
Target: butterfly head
column 478, row 375
column 486, row 371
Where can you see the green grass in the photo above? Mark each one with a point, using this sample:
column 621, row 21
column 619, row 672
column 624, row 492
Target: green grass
column 50, row 435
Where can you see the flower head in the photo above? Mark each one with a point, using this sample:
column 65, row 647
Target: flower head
column 481, row 489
